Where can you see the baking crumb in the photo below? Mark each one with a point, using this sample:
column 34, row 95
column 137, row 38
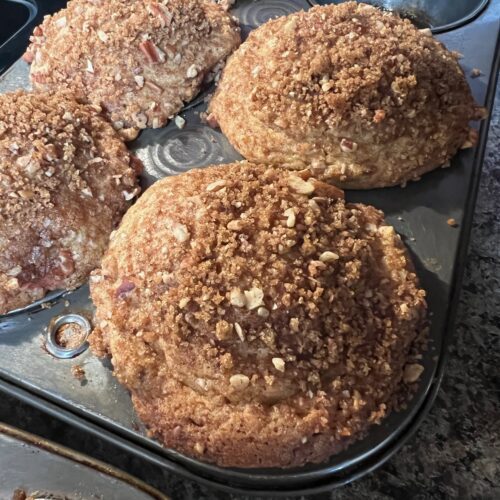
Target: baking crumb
column 452, row 222
column 475, row 73
column 180, row 122
column 400, row 218
column 78, row 372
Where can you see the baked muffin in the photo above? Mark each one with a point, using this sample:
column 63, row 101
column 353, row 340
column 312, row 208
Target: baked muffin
column 256, row 318
column 66, row 178
column 360, row 95
column 140, row 61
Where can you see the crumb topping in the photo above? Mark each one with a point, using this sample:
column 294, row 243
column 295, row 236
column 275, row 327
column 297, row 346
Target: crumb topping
column 140, row 61
column 65, row 178
column 308, row 325
column 349, row 90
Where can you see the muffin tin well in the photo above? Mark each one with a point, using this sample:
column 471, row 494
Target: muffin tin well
column 419, row 213
column 438, row 15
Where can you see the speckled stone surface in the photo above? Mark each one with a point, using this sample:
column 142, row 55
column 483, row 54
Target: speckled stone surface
column 456, row 452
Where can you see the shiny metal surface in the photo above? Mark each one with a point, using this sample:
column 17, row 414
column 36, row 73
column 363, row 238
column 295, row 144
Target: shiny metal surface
column 439, row 15
column 33, row 464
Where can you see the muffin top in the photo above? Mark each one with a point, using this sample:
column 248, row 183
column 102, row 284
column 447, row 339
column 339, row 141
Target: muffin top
column 65, row 180
column 140, row 61
column 256, row 318
column 361, row 95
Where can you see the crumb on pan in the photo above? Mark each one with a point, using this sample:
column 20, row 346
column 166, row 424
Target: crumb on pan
column 256, row 317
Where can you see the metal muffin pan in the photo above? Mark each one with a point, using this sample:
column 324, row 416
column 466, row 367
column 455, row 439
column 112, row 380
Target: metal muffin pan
column 438, row 15
column 419, row 213
column 32, row 464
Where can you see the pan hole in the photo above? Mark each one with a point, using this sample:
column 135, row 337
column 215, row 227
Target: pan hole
column 67, row 336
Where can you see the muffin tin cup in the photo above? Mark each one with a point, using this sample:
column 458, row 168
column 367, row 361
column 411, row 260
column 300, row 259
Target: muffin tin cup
column 419, row 213
column 438, row 15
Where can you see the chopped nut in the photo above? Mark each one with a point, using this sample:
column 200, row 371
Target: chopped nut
column 348, row 146
column 61, row 22
column 139, row 80
column 180, row 232
column 279, row 364
column 215, row 186
column 262, row 312
column 239, row 332
column 235, row 225
column 452, row 222
column 475, row 72
column 192, row 71
column 90, row 67
column 379, row 115
column 14, row 271
column 180, row 122
column 294, row 324
column 426, row 31
column 303, row 440
column 239, row 381
column 152, row 52
column 237, row 298
column 12, row 284
column 199, row 448
column 412, row 372
column 129, row 195
column 300, row 186
column 102, row 36
column 328, row 257
column 184, row 302
column 223, row 330
column 290, row 214
column 254, row 298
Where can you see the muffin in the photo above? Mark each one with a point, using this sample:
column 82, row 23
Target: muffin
column 257, row 319
column 360, row 95
column 66, row 178
column 140, row 61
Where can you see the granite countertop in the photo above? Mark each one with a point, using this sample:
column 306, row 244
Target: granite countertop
column 456, row 451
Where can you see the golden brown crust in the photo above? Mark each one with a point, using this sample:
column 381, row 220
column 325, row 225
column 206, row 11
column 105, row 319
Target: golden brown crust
column 65, row 178
column 139, row 60
column 257, row 319
column 360, row 94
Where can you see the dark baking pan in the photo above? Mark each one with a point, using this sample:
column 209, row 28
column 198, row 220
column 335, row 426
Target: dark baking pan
column 419, row 212
column 46, row 470
column 17, row 20
column 438, row 15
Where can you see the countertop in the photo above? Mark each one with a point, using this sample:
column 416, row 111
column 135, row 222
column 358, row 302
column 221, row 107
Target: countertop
column 456, row 451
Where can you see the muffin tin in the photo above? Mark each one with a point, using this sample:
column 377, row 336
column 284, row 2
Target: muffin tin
column 32, row 464
column 419, row 212
column 438, row 15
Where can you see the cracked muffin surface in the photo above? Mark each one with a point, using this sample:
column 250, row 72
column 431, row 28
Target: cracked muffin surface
column 66, row 179
column 140, row 61
column 256, row 317
column 361, row 96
